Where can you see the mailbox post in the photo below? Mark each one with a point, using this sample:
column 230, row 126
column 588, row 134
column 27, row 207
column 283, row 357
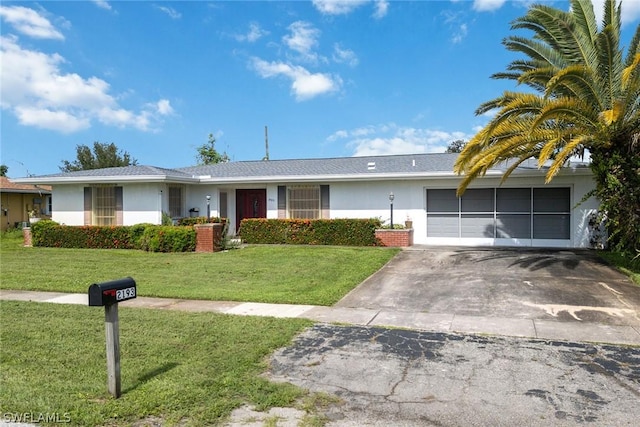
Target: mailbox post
column 108, row 295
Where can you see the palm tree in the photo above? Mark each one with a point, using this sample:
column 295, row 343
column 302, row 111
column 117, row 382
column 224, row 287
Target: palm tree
column 581, row 95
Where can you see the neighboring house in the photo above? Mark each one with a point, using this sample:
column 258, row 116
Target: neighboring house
column 18, row 200
column 522, row 211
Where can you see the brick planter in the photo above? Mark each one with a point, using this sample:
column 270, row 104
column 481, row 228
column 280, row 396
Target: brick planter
column 208, row 237
column 26, row 234
column 395, row 238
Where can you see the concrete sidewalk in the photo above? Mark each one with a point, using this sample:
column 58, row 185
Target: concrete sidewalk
column 436, row 322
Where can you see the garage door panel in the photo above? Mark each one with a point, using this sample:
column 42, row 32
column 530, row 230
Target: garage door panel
column 513, row 199
column 442, row 225
column 538, row 215
column 478, row 200
column 513, row 226
column 477, row 225
column 551, row 200
column 442, row 201
column 555, row 227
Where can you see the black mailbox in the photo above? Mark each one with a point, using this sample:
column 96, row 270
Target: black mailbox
column 108, row 293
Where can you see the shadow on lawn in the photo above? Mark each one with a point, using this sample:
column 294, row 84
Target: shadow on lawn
column 151, row 374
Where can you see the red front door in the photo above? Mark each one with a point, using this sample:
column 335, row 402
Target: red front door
column 250, row 204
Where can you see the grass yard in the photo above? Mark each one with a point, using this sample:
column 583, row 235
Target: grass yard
column 626, row 264
column 177, row 368
column 316, row 275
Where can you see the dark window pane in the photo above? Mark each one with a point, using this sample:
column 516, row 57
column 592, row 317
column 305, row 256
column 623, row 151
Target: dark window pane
column 513, row 200
column 551, row 200
column 477, row 200
column 551, row 227
column 514, row 226
column 442, row 201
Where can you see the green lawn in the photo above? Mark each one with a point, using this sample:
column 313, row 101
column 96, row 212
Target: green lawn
column 316, row 275
column 626, row 264
column 177, row 368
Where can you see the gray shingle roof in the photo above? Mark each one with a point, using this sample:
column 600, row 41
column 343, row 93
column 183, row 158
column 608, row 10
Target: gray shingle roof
column 416, row 165
column 340, row 166
column 123, row 171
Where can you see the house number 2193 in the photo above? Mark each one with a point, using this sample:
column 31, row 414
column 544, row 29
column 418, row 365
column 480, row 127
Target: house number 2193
column 122, row 294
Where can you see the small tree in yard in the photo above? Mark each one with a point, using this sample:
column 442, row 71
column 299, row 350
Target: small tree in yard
column 103, row 156
column 208, row 155
column 456, row 146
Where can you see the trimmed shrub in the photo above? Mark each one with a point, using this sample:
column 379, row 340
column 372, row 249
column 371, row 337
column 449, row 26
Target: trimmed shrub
column 340, row 232
column 148, row 237
column 51, row 234
column 168, row 239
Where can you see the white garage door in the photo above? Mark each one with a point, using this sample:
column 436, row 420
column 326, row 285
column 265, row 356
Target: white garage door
column 500, row 216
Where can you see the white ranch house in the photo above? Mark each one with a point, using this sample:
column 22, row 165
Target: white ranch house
column 522, row 211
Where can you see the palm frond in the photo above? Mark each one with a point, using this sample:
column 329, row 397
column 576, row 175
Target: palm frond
column 561, row 158
column 585, row 17
column 634, row 48
column 580, row 81
column 610, row 62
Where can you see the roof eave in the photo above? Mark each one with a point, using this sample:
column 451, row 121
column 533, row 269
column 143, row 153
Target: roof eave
column 114, row 179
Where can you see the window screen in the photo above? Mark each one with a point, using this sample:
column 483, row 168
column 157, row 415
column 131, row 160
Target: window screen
column 304, row 202
column 104, row 206
column 176, row 201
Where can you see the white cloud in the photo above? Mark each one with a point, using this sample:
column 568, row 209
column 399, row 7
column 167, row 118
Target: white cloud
column 630, row 11
column 382, row 7
column 344, row 7
column 40, row 94
column 303, row 39
column 392, row 139
column 171, row 12
column 254, row 34
column 163, row 107
column 304, row 84
column 487, row 5
column 45, row 118
column 337, row 7
column 29, row 22
column 460, row 34
column 102, row 4
column 344, row 56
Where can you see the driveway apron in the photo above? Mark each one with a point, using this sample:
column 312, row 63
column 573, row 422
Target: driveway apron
column 565, row 285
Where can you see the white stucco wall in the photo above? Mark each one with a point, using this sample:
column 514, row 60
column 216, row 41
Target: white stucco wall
column 140, row 203
column 371, row 199
column 68, row 204
column 145, row 202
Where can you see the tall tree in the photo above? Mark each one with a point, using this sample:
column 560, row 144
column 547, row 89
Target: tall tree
column 103, row 156
column 208, row 155
column 456, row 146
column 584, row 94
column 3, row 170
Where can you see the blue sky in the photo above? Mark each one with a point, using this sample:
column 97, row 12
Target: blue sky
column 328, row 78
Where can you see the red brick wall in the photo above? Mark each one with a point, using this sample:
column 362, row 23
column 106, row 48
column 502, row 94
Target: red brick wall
column 208, row 237
column 395, row 238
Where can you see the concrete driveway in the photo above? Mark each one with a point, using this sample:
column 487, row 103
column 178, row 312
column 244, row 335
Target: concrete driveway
column 565, row 285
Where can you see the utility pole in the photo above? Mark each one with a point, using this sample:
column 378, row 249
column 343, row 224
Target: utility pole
column 266, row 144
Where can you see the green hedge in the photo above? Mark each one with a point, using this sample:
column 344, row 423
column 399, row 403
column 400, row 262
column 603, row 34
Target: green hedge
column 149, row 237
column 200, row 220
column 168, row 239
column 340, row 232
